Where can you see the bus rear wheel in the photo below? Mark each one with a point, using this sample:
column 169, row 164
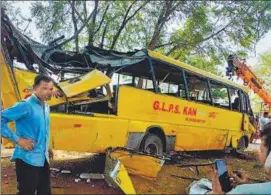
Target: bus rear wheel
column 241, row 145
column 153, row 145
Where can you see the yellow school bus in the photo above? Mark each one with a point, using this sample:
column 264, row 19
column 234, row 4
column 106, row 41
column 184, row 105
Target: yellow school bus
column 140, row 100
column 150, row 103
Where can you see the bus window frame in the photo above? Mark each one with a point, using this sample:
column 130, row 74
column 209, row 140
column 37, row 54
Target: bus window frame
column 201, row 77
column 228, row 93
column 208, row 79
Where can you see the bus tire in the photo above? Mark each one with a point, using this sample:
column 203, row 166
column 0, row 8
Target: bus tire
column 241, row 146
column 153, row 145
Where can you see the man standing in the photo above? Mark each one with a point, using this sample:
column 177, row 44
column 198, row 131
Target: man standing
column 263, row 121
column 32, row 153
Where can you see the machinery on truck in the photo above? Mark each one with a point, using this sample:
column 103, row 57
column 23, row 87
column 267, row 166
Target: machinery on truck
column 241, row 69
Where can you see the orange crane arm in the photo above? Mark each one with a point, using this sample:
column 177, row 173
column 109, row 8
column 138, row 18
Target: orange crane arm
column 250, row 79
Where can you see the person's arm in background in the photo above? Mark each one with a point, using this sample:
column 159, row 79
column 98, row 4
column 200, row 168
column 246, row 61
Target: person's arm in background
column 18, row 111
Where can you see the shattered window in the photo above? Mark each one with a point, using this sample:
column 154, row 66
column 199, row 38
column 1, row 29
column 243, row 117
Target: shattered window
column 220, row 95
column 143, row 83
column 125, row 79
column 170, row 81
column 197, row 88
column 169, row 89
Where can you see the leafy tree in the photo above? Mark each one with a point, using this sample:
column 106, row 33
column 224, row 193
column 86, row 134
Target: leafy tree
column 15, row 14
column 204, row 34
column 263, row 71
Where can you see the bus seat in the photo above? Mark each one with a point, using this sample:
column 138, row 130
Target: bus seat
column 235, row 104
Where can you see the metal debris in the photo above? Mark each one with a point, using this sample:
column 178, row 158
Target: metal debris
column 54, row 170
column 77, row 180
column 66, row 172
column 91, row 176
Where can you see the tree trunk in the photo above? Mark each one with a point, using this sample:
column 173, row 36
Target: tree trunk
column 165, row 13
column 75, row 26
column 91, row 28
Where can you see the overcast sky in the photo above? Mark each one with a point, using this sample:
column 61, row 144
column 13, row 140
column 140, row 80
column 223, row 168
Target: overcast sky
column 263, row 45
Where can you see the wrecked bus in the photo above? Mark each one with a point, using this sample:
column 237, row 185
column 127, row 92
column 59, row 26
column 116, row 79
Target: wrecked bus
column 140, row 100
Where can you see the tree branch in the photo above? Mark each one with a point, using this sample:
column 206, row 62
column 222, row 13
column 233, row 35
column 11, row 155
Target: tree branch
column 165, row 44
column 163, row 17
column 103, row 17
column 103, row 36
column 91, row 28
column 74, row 36
column 259, row 19
column 143, row 5
column 205, row 39
column 75, row 26
column 77, row 13
column 125, row 21
column 85, row 9
column 29, row 21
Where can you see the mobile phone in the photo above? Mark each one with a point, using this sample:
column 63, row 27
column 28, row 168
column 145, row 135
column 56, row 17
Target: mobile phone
column 223, row 175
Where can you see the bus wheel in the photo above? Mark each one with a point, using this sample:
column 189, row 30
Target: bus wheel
column 241, row 145
column 153, row 145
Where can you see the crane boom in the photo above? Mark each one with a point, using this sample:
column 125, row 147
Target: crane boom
column 239, row 66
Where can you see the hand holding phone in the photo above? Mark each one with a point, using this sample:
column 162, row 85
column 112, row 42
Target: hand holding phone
column 223, row 175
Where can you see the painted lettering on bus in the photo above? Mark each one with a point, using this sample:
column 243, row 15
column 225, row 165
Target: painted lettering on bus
column 213, row 114
column 195, row 120
column 164, row 107
column 189, row 111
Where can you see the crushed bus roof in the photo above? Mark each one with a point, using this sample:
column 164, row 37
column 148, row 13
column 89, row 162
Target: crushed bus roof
column 54, row 59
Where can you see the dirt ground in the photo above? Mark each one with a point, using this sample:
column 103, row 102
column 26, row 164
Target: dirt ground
column 165, row 183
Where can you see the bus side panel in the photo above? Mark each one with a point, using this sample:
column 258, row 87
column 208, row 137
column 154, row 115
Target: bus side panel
column 191, row 138
column 223, row 125
column 190, row 120
column 86, row 133
column 9, row 95
column 199, row 126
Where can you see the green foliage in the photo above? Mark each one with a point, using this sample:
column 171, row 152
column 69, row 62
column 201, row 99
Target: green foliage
column 204, row 33
column 263, row 69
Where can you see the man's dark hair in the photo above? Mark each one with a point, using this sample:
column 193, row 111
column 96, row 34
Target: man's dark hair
column 40, row 78
column 265, row 113
column 266, row 135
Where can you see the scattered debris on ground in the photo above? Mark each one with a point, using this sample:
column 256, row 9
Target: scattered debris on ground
column 173, row 178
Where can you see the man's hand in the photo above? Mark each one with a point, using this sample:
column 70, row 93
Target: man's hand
column 243, row 179
column 27, row 144
column 216, row 187
column 51, row 154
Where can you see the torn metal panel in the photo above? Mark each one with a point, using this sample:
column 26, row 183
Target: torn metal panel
column 84, row 83
column 121, row 161
column 117, row 176
column 134, row 140
column 140, row 164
